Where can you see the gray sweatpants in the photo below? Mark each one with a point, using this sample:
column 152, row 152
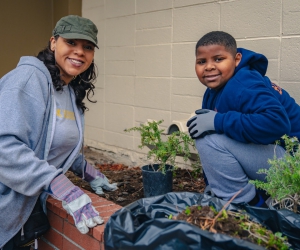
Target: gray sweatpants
column 229, row 164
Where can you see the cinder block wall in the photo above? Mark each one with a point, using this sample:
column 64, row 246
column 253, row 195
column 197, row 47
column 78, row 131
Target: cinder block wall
column 146, row 58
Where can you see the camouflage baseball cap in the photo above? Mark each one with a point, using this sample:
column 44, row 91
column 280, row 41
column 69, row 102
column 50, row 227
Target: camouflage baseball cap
column 76, row 27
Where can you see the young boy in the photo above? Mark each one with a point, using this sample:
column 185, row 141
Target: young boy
column 243, row 114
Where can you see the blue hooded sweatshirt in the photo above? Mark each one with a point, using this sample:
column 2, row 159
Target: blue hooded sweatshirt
column 252, row 109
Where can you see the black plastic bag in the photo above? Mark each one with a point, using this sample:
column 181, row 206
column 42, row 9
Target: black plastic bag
column 144, row 225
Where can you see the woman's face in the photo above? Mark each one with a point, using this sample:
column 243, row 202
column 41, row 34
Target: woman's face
column 73, row 56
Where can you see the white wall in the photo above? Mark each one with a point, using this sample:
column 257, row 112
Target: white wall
column 146, row 58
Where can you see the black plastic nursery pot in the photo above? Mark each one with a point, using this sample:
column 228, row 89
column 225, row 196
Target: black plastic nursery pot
column 155, row 182
column 144, row 225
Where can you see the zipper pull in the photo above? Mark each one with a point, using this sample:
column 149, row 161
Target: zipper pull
column 36, row 242
column 22, row 233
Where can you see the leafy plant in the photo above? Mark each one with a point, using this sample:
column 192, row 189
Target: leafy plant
column 283, row 177
column 164, row 152
column 234, row 224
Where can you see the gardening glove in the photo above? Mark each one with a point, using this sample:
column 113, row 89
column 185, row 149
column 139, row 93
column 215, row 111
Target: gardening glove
column 97, row 180
column 76, row 203
column 201, row 123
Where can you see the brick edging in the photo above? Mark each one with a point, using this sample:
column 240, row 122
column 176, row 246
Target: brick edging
column 63, row 234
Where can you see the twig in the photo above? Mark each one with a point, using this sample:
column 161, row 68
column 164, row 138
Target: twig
column 223, row 208
column 137, row 191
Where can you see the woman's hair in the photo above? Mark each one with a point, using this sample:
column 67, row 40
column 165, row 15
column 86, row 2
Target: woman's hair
column 82, row 84
column 218, row 38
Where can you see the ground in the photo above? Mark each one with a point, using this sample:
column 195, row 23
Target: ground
column 130, row 182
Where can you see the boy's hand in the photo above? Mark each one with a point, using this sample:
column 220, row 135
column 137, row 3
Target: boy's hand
column 202, row 122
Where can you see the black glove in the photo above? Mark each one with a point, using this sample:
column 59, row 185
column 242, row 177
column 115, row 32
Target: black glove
column 201, row 123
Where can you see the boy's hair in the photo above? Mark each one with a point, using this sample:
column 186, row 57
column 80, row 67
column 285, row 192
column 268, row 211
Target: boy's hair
column 218, row 38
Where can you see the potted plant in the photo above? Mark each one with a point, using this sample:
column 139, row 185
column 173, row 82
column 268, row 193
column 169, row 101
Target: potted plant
column 157, row 176
column 283, row 177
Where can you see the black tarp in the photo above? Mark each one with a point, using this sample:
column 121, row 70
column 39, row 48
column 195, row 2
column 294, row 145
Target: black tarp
column 144, row 225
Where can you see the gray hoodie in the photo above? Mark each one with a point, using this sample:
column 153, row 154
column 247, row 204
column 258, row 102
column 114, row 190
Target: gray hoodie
column 27, row 121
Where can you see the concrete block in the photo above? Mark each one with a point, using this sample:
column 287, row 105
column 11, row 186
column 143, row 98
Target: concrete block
column 119, row 140
column 255, row 18
column 177, row 116
column 291, row 17
column 188, row 87
column 92, row 133
column 92, row 4
column 153, row 5
column 153, row 93
column 117, row 8
column 120, row 31
column 118, row 117
column 182, row 3
column 153, row 36
column 289, row 63
column 94, row 116
column 183, row 60
column 99, row 59
column 96, row 14
column 119, row 90
column 99, row 84
column 270, row 47
column 191, row 23
column 119, row 53
column 119, row 68
column 142, row 114
column 293, row 88
column 153, row 61
column 273, row 70
column 157, row 19
column 185, row 104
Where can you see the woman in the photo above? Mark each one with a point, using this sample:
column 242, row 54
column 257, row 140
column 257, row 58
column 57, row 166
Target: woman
column 41, row 130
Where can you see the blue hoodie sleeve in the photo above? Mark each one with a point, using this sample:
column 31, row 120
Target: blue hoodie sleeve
column 256, row 115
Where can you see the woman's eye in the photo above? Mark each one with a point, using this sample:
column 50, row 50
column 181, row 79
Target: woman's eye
column 89, row 47
column 71, row 42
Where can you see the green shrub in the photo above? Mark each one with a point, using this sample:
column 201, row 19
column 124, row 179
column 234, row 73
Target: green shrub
column 283, row 177
column 164, row 152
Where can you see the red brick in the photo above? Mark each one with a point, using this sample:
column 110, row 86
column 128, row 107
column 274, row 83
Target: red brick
column 54, row 237
column 55, row 221
column 44, row 245
column 67, row 245
column 84, row 240
column 102, row 202
column 98, row 231
column 106, row 214
column 102, row 246
column 108, row 208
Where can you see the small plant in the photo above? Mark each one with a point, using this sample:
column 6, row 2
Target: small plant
column 283, row 177
column 234, row 224
column 164, row 152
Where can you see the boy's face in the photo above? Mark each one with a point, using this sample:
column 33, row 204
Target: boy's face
column 215, row 65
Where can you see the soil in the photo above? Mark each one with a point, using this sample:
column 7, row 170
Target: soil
column 231, row 223
column 130, row 181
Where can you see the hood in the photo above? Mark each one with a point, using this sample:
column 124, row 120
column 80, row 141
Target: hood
column 34, row 61
column 252, row 60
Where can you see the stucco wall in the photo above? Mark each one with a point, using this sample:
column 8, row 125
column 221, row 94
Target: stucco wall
column 146, row 58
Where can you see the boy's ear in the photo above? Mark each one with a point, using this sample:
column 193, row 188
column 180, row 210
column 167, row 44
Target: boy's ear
column 238, row 58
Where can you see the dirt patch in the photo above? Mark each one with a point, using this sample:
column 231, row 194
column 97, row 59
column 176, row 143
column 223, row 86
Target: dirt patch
column 130, row 181
column 234, row 224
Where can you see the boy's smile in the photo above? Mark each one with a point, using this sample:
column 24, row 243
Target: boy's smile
column 215, row 65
